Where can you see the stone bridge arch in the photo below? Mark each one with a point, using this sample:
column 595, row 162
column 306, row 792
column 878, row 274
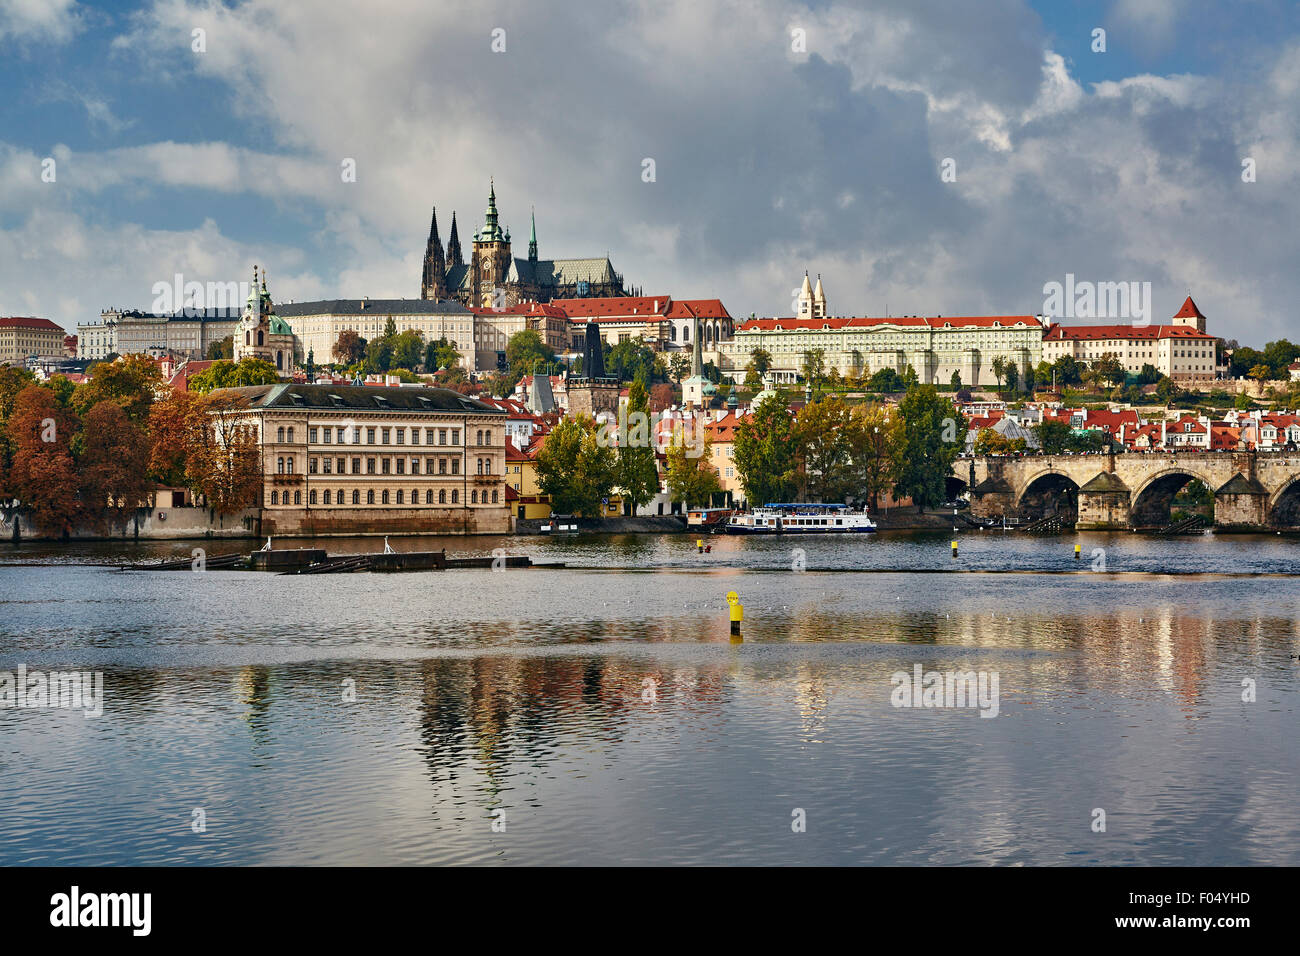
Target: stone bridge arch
column 1048, row 491
column 1284, row 504
column 1151, row 503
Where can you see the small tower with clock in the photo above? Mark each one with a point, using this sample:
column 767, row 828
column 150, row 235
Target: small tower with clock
column 490, row 260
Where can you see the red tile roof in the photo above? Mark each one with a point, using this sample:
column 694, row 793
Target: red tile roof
column 1063, row 333
column 526, row 308
column 627, row 307
column 1189, row 310
column 704, row 308
column 908, row 321
column 26, row 322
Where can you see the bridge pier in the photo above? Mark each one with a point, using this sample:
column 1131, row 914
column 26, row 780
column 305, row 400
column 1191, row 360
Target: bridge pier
column 1103, row 504
column 1241, row 505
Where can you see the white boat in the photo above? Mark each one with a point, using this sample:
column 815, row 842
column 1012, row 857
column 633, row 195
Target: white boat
column 798, row 518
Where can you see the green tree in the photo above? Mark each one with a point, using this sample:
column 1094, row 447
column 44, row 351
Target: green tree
column 408, row 349
column 761, row 359
column 955, row 381
column 1053, row 436
column 934, row 433
column 526, row 353
column 813, row 367
column 999, row 366
column 679, row 367
column 885, row 380
column 690, row 479
column 630, row 358
column 223, row 349
column 245, row 372
column 764, row 452
column 441, row 354
column 875, row 443
column 131, row 383
column 1012, row 372
column 638, row 470
column 821, row 441
column 379, row 355
column 575, row 469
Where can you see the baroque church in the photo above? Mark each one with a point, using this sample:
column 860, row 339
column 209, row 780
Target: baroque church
column 495, row 279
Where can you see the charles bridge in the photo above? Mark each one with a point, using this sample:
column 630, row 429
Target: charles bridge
column 1253, row 491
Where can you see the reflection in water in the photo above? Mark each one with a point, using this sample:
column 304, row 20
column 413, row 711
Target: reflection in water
column 610, row 719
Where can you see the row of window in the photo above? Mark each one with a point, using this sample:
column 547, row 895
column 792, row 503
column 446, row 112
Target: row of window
column 385, row 466
column 351, row 435
column 329, row 497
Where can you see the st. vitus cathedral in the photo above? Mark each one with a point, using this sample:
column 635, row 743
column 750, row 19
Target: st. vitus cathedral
column 493, row 278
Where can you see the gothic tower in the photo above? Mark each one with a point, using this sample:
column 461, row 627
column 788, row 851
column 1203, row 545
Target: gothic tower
column 491, row 260
column 453, row 245
column 434, row 285
column 532, row 242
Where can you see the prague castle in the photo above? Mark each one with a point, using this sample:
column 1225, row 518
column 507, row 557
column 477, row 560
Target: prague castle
column 494, row 278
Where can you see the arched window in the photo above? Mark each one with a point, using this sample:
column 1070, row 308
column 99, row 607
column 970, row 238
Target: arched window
column 385, row 500
column 356, row 496
column 290, row 434
column 288, row 466
column 279, row 360
column 275, row 497
column 279, row 435
column 442, row 496
column 259, row 337
column 487, row 435
column 455, row 496
column 480, row 437
column 297, row 497
column 311, row 498
column 370, row 496
column 400, row 495
column 473, row 497
column 494, row 496
column 428, row 496
column 415, row 496
column 279, row 466
column 248, row 338
column 686, row 333
column 327, row 496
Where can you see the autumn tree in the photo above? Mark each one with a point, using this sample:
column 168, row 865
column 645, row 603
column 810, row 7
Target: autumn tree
column 690, row 477
column 350, row 347
column 575, row 469
column 764, row 452
column 875, row 445
column 114, row 463
column 821, row 442
column 247, row 371
column 131, row 382
column 223, row 461
column 43, row 475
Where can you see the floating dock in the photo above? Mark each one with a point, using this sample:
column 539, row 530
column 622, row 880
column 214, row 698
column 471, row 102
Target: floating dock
column 317, row 561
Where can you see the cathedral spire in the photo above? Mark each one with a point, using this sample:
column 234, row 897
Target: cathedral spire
column 433, row 280
column 532, row 242
column 453, row 245
column 491, row 230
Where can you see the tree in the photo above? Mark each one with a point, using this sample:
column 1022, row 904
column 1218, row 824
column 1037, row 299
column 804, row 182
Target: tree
column 955, row 381
column 875, row 442
column 1067, row 371
column 526, row 353
column 408, row 349
column 764, row 452
column 350, row 347
column 761, row 359
column 130, row 382
column 1149, row 375
column 1053, row 436
column 169, row 424
column 821, row 442
column 885, row 380
column 114, row 462
column 247, row 371
column 379, row 355
column 1012, row 372
column 999, row 366
column 498, row 384
column 1108, row 369
column 223, row 461
column 390, row 329
column 638, row 470
column 43, row 476
column 1260, row 373
column 752, row 380
column 630, row 358
column 575, row 469
column 441, row 354
column 679, row 367
column 223, row 349
column 934, row 433
column 813, row 367
column 690, row 479
column 662, row 397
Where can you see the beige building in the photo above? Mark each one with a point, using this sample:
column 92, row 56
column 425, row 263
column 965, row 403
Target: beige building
column 187, row 334
column 317, row 325
column 1181, row 350
column 355, row 459
column 934, row 346
column 21, row 337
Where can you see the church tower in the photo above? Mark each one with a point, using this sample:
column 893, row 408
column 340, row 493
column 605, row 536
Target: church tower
column 453, row 245
column 490, row 265
column 532, row 242
column 433, row 285
column 805, row 299
column 819, row 300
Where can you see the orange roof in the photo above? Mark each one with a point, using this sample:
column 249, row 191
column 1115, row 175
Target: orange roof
column 724, row 429
column 525, row 308
column 513, row 453
column 26, row 322
column 1063, row 333
column 910, row 321
column 1189, row 310
column 703, row 308
column 622, row 307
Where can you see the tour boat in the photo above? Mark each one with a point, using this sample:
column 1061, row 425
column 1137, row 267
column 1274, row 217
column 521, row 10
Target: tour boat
column 801, row 519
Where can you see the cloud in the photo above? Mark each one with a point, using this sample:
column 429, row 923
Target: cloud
column 38, row 20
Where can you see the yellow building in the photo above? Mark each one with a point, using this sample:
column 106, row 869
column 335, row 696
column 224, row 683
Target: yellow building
column 21, row 338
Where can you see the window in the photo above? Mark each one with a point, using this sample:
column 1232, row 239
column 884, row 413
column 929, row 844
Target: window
column 428, row 496
column 326, row 434
column 384, row 465
column 370, row 436
column 487, row 436
column 279, row 434
column 327, row 464
column 455, row 466
column 415, row 496
column 455, row 436
column 279, row 466
column 385, row 496
column 384, row 436
column 415, row 436
column 401, row 436
column 370, row 466
column 356, row 496
column 442, row 436
column 370, row 496
column 442, row 466
column 311, row 435
column 401, row 466
column 415, row 466
column 356, row 466
column 455, row 496
column 494, row 496
column 311, row 498
column 327, row 495
column 442, row 496
column 297, row 497
column 291, row 434
column 275, row 497
column 288, row 466
column 479, row 440
column 311, row 466
column 473, row 497
column 399, row 496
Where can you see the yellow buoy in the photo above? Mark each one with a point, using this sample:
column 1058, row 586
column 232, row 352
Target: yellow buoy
column 1077, row 549
column 737, row 615
column 954, row 549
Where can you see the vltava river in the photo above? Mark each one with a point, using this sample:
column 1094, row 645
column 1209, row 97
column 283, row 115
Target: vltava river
column 600, row 713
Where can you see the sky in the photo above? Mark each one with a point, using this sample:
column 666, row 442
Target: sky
column 784, row 137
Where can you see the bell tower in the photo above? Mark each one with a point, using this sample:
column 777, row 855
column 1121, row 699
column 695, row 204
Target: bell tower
column 433, row 284
column 490, row 260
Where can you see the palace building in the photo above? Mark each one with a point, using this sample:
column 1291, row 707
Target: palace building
column 21, row 337
column 494, row 278
column 352, row 459
column 935, row 347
